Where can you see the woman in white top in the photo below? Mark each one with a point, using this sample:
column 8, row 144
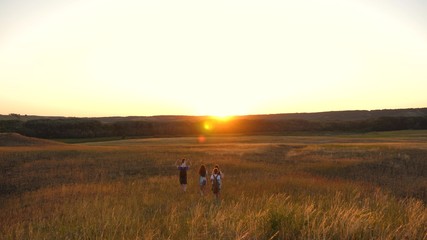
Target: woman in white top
column 220, row 172
column 216, row 183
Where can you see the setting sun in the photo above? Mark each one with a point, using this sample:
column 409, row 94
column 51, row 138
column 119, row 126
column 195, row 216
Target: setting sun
column 223, row 118
column 207, row 126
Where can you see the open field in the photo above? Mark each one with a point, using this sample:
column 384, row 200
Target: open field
column 368, row 186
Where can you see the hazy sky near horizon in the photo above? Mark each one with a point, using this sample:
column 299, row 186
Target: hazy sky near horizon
column 223, row 57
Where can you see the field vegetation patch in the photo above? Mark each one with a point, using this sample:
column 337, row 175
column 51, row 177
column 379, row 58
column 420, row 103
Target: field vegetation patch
column 274, row 187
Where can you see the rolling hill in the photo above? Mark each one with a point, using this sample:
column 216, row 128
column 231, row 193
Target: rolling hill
column 350, row 115
column 15, row 139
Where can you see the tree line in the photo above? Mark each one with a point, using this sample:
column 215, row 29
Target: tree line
column 90, row 128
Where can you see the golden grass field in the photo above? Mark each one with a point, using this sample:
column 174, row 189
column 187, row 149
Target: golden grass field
column 371, row 186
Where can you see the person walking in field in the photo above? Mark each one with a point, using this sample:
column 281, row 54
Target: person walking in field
column 202, row 179
column 220, row 172
column 183, row 168
column 216, row 183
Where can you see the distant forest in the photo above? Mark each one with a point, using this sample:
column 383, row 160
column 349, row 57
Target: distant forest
column 193, row 126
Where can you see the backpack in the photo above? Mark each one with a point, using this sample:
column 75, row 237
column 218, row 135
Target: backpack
column 215, row 184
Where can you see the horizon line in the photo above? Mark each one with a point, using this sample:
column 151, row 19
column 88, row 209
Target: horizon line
column 186, row 115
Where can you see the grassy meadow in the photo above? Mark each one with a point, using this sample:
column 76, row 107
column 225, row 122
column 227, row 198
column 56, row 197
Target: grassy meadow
column 368, row 186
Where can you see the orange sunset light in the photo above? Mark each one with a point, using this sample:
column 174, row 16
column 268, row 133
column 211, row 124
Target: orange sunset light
column 207, row 126
column 223, row 118
column 72, row 58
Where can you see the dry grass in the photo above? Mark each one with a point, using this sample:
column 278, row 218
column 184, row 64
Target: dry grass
column 274, row 188
column 15, row 139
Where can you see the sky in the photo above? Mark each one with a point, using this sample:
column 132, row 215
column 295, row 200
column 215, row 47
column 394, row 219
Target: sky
column 90, row 58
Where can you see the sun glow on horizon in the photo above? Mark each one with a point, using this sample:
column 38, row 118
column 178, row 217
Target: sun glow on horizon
column 223, row 115
column 207, row 126
column 223, row 118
